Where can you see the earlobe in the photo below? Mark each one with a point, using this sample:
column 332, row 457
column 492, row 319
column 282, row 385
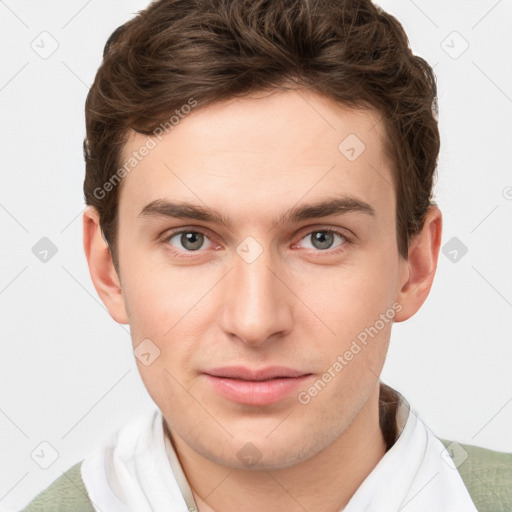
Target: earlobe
column 421, row 265
column 101, row 267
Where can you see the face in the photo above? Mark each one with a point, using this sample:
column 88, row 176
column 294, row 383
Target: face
column 270, row 317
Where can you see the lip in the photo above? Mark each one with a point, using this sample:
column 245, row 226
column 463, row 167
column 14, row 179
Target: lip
column 255, row 386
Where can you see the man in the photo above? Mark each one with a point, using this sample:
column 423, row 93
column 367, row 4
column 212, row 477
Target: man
column 259, row 179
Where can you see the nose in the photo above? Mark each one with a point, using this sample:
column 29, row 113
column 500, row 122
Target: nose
column 257, row 304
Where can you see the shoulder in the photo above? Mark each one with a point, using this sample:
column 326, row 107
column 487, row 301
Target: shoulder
column 487, row 475
column 64, row 494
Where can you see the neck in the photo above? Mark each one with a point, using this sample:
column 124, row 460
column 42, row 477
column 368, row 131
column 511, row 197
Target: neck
column 324, row 483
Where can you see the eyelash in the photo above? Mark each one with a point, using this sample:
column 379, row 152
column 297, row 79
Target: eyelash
column 338, row 250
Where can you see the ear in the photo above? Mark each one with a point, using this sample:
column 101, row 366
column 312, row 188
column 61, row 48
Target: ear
column 420, row 267
column 101, row 267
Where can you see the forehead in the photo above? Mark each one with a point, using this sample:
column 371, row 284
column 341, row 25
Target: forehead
column 270, row 149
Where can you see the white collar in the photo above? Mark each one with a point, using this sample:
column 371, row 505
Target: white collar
column 137, row 469
column 414, row 475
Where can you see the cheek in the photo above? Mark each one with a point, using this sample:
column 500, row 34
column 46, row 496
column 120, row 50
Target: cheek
column 165, row 307
column 347, row 299
column 154, row 293
column 355, row 305
column 160, row 325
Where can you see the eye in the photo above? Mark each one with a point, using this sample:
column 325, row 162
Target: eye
column 321, row 240
column 188, row 240
column 324, row 239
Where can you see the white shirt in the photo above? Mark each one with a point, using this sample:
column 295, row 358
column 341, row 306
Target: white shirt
column 137, row 470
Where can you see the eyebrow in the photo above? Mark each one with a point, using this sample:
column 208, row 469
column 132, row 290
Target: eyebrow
column 336, row 206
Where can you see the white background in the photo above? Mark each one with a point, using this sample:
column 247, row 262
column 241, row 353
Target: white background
column 68, row 375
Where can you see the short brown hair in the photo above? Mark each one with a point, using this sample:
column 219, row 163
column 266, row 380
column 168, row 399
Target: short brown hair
column 209, row 50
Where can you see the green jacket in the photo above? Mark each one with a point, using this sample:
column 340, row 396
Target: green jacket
column 486, row 473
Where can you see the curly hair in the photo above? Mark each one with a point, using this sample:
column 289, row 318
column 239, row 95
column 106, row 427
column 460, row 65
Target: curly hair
column 175, row 51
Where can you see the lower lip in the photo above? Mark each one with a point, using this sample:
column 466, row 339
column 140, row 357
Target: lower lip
column 256, row 392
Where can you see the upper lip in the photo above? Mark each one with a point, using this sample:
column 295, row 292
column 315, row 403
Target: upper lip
column 244, row 373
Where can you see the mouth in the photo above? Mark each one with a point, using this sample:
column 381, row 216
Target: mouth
column 256, row 387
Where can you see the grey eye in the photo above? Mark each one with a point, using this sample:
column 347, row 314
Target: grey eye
column 189, row 240
column 322, row 239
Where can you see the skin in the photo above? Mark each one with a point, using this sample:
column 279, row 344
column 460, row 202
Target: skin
column 296, row 305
